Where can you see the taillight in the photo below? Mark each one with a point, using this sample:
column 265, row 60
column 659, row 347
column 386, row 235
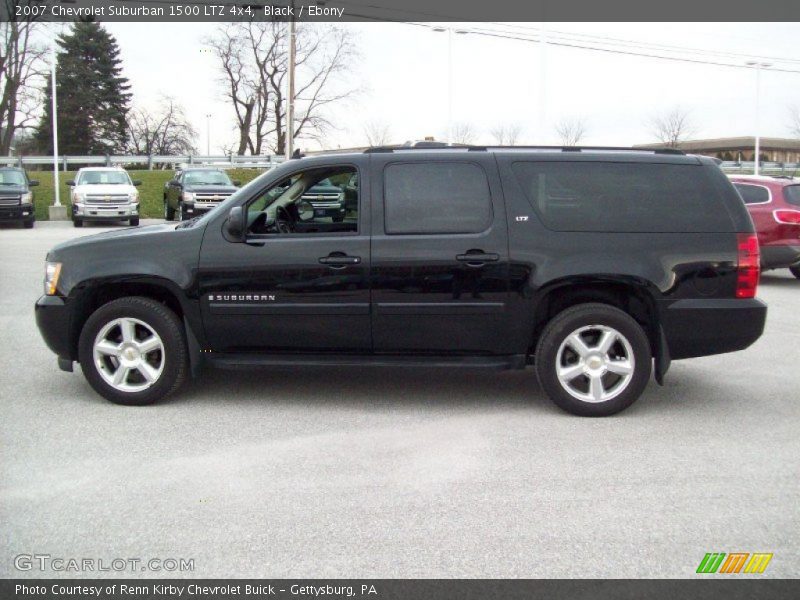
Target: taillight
column 748, row 266
column 788, row 217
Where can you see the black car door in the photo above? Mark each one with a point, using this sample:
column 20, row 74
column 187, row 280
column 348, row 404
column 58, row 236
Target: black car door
column 286, row 292
column 439, row 254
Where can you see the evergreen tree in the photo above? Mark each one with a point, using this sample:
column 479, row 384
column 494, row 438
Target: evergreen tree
column 93, row 96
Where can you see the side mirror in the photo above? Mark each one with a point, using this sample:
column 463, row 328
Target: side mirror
column 33, row 183
column 137, row 182
column 235, row 226
column 71, row 183
column 305, row 212
column 237, row 183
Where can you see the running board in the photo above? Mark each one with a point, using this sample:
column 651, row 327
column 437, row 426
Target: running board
column 237, row 361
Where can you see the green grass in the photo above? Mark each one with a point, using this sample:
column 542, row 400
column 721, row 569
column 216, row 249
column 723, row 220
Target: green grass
column 151, row 192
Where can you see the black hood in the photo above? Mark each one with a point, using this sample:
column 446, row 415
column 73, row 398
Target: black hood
column 12, row 190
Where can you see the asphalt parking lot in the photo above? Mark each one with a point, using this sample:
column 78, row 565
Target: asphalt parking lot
column 396, row 473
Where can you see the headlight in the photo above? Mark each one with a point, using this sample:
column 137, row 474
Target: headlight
column 188, row 196
column 51, row 272
column 134, row 197
column 27, row 197
column 77, row 197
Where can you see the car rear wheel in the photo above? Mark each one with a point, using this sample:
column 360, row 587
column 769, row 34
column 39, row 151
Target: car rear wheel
column 795, row 271
column 133, row 351
column 593, row 360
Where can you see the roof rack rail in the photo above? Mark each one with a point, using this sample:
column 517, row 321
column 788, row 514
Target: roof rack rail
column 381, row 149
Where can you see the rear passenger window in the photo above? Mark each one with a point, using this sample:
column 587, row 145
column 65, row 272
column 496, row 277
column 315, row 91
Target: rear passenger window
column 436, row 197
column 752, row 194
column 792, row 193
column 623, row 197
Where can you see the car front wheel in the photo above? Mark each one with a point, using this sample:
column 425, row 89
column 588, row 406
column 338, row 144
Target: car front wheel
column 593, row 360
column 133, row 351
column 795, row 271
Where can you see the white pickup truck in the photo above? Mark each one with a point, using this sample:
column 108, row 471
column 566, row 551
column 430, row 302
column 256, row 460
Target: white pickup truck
column 104, row 194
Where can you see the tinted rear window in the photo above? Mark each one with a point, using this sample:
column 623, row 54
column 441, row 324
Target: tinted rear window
column 624, row 197
column 436, row 197
column 752, row 194
column 792, row 194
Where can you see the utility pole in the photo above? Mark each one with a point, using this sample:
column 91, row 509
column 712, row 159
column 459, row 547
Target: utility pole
column 290, row 112
column 758, row 66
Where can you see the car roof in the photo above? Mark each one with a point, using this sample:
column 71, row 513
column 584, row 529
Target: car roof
column 102, row 169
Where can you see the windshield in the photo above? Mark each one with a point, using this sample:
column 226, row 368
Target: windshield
column 210, row 177
column 792, row 194
column 104, row 178
column 12, row 178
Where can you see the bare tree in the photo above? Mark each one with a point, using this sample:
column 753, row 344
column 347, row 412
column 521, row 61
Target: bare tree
column 21, row 76
column 571, row 130
column 378, row 133
column 166, row 131
column 672, row 127
column 254, row 63
column 794, row 120
column 462, row 133
column 506, row 134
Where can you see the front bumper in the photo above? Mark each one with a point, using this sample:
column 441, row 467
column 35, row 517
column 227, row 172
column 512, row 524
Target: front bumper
column 322, row 211
column 198, row 208
column 93, row 212
column 18, row 212
column 779, row 257
column 53, row 318
column 701, row 327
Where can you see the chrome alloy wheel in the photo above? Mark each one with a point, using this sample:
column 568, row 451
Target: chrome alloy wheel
column 128, row 354
column 595, row 363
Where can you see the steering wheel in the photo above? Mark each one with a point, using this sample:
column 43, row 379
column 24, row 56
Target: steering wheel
column 284, row 223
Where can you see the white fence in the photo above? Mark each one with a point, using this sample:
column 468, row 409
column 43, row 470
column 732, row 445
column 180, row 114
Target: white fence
column 152, row 161
column 765, row 168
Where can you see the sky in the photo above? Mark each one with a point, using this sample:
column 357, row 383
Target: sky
column 402, row 72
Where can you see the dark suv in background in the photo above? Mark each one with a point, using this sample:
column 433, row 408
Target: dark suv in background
column 16, row 197
column 596, row 266
column 194, row 191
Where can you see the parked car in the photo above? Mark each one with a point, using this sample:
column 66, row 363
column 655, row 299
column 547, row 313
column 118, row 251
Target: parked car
column 327, row 200
column 597, row 267
column 774, row 205
column 16, row 197
column 194, row 191
column 104, row 194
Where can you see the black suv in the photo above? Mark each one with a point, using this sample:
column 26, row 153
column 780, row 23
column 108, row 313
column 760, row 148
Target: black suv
column 194, row 191
column 598, row 266
column 16, row 197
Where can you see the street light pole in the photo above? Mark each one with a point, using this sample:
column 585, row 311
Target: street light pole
column 208, row 134
column 57, row 199
column 290, row 112
column 758, row 66
column 450, row 31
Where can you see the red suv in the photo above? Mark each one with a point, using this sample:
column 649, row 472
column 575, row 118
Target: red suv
column 774, row 205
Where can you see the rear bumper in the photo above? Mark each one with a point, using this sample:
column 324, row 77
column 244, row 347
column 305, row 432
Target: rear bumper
column 19, row 212
column 701, row 327
column 779, row 257
column 53, row 318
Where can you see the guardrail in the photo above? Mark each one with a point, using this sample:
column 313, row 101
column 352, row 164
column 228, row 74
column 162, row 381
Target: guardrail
column 765, row 168
column 152, row 161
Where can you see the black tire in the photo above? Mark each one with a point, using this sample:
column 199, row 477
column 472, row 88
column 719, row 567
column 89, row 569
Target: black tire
column 182, row 216
column 28, row 224
column 338, row 219
column 134, row 221
column 795, row 271
column 161, row 320
column 77, row 222
column 169, row 212
column 587, row 316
